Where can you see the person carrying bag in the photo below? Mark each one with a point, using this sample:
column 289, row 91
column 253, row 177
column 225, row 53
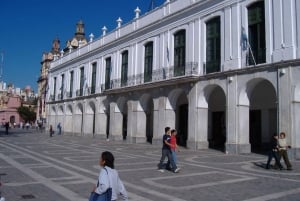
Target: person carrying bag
column 109, row 184
column 106, row 196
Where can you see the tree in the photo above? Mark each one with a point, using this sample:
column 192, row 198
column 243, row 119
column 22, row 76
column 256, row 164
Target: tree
column 26, row 113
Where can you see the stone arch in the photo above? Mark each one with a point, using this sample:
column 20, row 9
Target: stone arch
column 258, row 113
column 53, row 110
column 91, row 108
column 78, row 108
column 69, row 110
column 216, row 116
column 121, row 105
column 60, row 110
column 247, row 90
column 179, row 103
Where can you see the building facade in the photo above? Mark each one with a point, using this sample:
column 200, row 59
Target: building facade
column 77, row 41
column 224, row 73
column 11, row 99
column 42, row 81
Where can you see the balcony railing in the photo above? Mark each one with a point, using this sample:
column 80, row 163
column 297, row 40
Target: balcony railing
column 68, row 94
column 189, row 69
column 52, row 97
column 83, row 92
column 79, row 92
column 168, row 73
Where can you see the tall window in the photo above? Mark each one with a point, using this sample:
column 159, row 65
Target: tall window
column 124, row 69
column 256, row 33
column 213, row 44
column 107, row 72
column 148, row 62
column 179, row 53
column 94, row 71
column 62, row 86
column 71, row 83
column 54, row 88
column 82, row 81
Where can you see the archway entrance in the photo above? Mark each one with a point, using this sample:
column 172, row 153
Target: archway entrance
column 217, row 119
column 149, row 120
column 182, row 120
column 107, row 113
column 262, row 116
column 124, row 121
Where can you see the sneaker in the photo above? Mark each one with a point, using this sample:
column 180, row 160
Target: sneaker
column 177, row 170
column 161, row 170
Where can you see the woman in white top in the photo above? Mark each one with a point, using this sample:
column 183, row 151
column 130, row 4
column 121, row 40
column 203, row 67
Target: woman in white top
column 283, row 150
column 109, row 178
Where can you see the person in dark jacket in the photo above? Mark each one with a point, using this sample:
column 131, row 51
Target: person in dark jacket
column 6, row 128
column 273, row 153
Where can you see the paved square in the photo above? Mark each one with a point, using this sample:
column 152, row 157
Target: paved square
column 64, row 168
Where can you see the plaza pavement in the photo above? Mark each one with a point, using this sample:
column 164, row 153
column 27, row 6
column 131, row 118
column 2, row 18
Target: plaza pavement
column 64, row 168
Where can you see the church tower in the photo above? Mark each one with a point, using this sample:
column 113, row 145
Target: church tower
column 79, row 37
column 79, row 28
column 56, row 46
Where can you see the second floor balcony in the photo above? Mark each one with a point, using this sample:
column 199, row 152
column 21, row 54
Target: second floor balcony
column 190, row 69
column 159, row 75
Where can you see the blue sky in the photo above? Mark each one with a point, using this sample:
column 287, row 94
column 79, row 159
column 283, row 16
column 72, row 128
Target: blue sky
column 28, row 27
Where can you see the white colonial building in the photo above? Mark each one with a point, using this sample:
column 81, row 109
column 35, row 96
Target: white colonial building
column 224, row 73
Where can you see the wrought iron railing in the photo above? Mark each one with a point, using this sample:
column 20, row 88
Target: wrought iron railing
column 52, row 97
column 191, row 68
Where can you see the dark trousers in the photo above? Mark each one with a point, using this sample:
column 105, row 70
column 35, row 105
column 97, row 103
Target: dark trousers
column 283, row 153
column 167, row 153
column 273, row 154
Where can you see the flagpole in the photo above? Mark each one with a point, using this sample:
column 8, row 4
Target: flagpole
column 251, row 53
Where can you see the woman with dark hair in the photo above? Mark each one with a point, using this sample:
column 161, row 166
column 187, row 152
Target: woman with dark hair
column 109, row 178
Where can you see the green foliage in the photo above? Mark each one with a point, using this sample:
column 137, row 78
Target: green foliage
column 26, row 113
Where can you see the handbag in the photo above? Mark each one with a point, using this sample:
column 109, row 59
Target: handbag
column 106, row 196
column 101, row 197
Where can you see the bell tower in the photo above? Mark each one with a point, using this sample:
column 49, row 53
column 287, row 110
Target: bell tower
column 79, row 28
column 55, row 45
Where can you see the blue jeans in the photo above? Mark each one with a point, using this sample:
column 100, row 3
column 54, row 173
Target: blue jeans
column 174, row 156
column 167, row 153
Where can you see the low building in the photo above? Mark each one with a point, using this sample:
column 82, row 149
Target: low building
column 11, row 99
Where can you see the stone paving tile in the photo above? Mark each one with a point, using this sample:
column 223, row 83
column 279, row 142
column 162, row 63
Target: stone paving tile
column 65, row 168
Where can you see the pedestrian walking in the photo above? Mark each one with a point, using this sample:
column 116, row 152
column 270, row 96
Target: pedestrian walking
column 6, row 128
column 283, row 146
column 174, row 146
column 59, row 128
column 273, row 153
column 109, row 184
column 51, row 131
column 166, row 152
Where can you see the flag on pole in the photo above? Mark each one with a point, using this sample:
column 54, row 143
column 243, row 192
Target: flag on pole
column 244, row 39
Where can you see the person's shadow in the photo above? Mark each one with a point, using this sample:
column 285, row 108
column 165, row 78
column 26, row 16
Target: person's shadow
column 260, row 164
